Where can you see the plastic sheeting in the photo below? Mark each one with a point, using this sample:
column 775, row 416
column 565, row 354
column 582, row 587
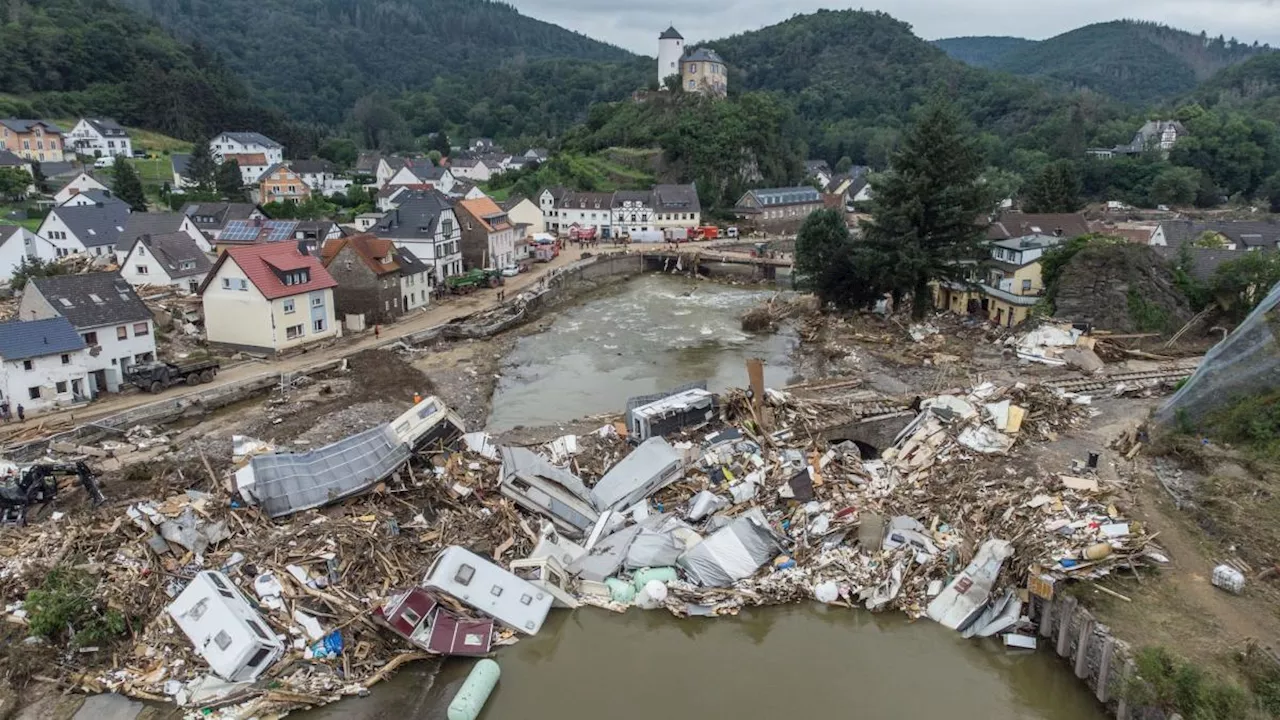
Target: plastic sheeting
column 732, row 553
column 661, row 541
column 1247, row 362
column 966, row 597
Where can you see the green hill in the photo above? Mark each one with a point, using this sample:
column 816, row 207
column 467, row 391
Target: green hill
column 1135, row 62
column 1253, row 86
column 68, row 58
column 315, row 58
column 981, row 51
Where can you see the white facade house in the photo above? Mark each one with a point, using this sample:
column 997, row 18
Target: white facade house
column 321, row 176
column 586, row 210
column 268, row 298
column 172, row 259
column 425, row 223
column 99, row 137
column 111, row 319
column 632, row 212
column 525, row 212
column 42, row 365
column 476, row 169
column 246, row 143
column 670, row 50
column 415, row 280
column 90, row 229
column 18, row 243
column 78, row 184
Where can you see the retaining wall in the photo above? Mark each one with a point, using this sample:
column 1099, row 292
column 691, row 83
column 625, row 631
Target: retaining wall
column 1097, row 657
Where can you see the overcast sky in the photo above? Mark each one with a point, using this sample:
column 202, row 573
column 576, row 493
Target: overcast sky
column 635, row 24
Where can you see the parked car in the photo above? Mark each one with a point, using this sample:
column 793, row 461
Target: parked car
column 140, row 154
column 105, row 161
column 511, row 271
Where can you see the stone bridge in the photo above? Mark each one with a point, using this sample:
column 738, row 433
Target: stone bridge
column 698, row 260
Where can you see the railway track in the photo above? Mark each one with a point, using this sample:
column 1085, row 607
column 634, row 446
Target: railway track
column 1106, row 382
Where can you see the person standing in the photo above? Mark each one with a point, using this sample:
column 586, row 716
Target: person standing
column 22, row 413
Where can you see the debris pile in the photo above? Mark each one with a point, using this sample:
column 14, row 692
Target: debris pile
column 744, row 505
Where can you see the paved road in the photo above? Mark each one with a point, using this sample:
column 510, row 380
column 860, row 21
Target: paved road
column 436, row 314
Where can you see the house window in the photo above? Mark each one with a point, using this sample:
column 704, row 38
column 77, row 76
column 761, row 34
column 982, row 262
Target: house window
column 317, row 301
column 142, row 270
column 1026, row 285
column 28, row 365
column 122, row 333
column 140, row 329
column 692, row 84
column 319, row 325
column 188, row 265
column 293, row 332
column 66, row 359
column 90, row 338
column 288, row 306
column 33, row 393
column 244, row 285
column 222, row 640
column 60, row 386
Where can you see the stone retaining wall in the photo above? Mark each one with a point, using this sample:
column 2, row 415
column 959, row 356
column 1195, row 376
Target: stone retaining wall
column 1096, row 656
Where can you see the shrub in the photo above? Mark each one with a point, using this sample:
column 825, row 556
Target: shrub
column 63, row 608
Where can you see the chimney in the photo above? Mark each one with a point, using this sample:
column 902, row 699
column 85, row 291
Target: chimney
column 146, row 238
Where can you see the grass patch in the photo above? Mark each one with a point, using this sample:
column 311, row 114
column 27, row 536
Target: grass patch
column 1251, row 422
column 1147, row 316
column 154, row 142
column 1173, row 684
column 63, row 609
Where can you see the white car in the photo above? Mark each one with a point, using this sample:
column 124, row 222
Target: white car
column 105, row 161
column 510, row 271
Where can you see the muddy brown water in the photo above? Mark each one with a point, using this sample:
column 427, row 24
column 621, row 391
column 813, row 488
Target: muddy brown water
column 792, row 661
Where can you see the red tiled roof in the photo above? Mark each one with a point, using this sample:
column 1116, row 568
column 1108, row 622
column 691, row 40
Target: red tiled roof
column 368, row 246
column 257, row 262
column 247, row 159
column 483, row 208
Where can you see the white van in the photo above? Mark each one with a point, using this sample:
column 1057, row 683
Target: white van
column 105, row 161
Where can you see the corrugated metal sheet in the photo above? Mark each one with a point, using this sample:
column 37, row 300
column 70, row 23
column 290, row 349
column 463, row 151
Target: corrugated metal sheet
column 286, row 483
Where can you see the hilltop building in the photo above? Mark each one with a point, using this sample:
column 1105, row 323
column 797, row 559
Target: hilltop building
column 670, row 50
column 700, row 71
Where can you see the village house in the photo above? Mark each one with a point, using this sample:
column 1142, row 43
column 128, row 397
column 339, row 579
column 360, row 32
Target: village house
column 99, row 137
column 1229, row 234
column 181, row 180
column 477, row 168
column 171, row 259
column 537, row 155
column 676, row 206
column 703, row 71
column 483, row 145
column 367, row 162
column 246, row 143
column 818, row 170
column 466, row 190
column 42, row 365
column 426, row 224
column 159, row 224
column 92, row 229
column 109, row 316
column 211, row 218
column 93, row 197
column 365, row 222
column 524, row 212
column 32, row 139
column 17, row 244
column 80, row 183
column 321, row 176
column 1008, row 285
column 415, row 173
column 1013, row 225
column 549, row 204
column 632, row 212
column 778, row 207
column 488, row 237
column 306, row 235
column 281, row 183
column 584, row 210
column 1154, row 136
column 252, row 167
column 268, row 299
column 375, row 278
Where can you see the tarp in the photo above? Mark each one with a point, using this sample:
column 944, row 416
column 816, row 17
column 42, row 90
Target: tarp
column 732, row 553
column 661, row 541
column 285, row 483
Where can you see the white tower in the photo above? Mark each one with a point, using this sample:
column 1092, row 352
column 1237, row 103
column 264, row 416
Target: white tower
column 670, row 50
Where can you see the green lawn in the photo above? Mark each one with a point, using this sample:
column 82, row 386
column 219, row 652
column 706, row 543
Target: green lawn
column 154, row 172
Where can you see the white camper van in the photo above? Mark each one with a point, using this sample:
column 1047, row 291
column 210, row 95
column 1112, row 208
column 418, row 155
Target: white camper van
column 224, row 628
column 488, row 588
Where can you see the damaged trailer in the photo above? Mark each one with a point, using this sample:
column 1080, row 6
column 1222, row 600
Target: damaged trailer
column 224, row 628
column 286, row 483
column 732, row 553
column 417, row 616
column 686, row 408
column 540, row 487
column 488, row 588
column 649, row 468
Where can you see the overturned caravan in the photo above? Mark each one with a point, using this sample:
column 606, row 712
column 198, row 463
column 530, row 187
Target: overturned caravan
column 286, row 483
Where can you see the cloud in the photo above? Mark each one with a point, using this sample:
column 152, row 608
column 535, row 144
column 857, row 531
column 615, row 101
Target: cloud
column 635, row 25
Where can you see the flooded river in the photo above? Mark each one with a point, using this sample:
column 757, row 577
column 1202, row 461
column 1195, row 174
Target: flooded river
column 794, row 661
column 653, row 333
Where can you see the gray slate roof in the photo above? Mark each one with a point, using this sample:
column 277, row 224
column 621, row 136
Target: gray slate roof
column 253, row 138
column 107, row 127
column 148, row 224
column 416, row 217
column 20, row 340
column 175, row 249
column 222, row 213
column 8, row 159
column 671, row 34
column 119, row 303
column 703, row 55
column 24, row 126
column 367, row 162
column 1244, row 233
column 409, row 263
column 644, row 197
column 105, row 197
column 94, row 225
column 180, row 162
column 1204, row 261
column 676, row 198
column 312, row 167
column 771, row 197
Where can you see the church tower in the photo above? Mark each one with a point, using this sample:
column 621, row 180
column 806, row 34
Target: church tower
column 670, row 50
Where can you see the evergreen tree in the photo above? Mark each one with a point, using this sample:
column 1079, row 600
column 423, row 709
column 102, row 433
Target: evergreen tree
column 128, row 187
column 843, row 164
column 440, row 143
column 928, row 212
column 1055, row 189
column 823, row 253
column 202, row 169
column 229, row 181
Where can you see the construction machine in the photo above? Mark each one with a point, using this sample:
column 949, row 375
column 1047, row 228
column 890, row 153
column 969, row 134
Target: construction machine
column 37, row 484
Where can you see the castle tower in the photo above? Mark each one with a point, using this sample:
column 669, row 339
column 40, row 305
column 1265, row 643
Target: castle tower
column 670, row 50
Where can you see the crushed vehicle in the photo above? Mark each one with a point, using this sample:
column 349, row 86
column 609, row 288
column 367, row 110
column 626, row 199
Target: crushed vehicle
column 417, row 616
column 37, row 484
column 486, row 587
column 224, row 628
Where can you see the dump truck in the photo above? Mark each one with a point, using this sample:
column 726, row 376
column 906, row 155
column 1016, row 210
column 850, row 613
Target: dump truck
column 156, row 376
column 472, row 280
